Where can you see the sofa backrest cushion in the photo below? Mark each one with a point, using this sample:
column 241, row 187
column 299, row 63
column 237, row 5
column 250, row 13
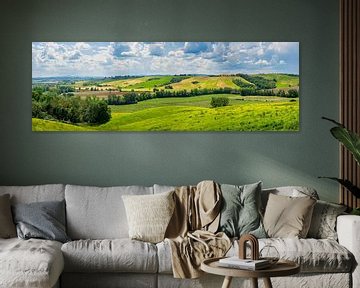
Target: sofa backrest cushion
column 36, row 193
column 291, row 191
column 163, row 188
column 98, row 212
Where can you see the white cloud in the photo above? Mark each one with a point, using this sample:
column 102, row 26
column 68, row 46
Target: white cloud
column 262, row 62
column 118, row 58
column 82, row 46
column 283, row 47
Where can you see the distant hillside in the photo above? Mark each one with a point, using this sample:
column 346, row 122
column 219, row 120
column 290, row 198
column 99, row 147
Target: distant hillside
column 175, row 83
column 283, row 80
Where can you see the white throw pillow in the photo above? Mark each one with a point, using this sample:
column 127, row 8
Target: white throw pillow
column 149, row 215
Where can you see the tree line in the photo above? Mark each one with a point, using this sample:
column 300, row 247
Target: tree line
column 68, row 108
column 135, row 97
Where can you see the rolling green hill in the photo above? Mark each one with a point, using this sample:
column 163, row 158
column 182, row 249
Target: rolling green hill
column 202, row 82
column 252, row 114
column 50, row 125
column 148, row 83
column 260, row 117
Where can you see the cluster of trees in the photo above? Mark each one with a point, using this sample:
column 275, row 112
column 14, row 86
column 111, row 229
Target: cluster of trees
column 243, row 84
column 70, row 108
column 129, row 98
column 53, row 90
column 260, row 82
column 177, row 79
column 291, row 93
column 65, row 89
column 193, row 92
column 120, row 77
column 219, row 101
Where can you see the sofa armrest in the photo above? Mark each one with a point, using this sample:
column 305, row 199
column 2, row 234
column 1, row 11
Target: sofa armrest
column 348, row 230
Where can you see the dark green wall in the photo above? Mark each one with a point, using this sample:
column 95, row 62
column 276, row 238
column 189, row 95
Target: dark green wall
column 171, row 158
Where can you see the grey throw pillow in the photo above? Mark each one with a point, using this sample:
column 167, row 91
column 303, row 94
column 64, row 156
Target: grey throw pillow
column 44, row 220
column 7, row 226
column 323, row 222
column 240, row 213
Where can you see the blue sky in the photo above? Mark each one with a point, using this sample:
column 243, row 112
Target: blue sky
column 151, row 58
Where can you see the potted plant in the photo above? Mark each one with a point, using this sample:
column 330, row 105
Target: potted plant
column 351, row 141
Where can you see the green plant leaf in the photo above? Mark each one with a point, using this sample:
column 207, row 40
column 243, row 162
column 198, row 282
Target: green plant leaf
column 347, row 184
column 349, row 139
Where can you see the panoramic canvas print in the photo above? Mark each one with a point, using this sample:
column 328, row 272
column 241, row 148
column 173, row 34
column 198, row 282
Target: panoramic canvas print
column 165, row 86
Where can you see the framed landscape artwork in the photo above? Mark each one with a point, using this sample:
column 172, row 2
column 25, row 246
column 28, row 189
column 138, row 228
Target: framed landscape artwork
column 165, row 86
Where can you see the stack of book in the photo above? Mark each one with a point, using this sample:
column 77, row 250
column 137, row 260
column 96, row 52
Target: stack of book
column 248, row 264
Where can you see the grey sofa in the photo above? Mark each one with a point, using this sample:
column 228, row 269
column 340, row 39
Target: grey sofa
column 101, row 254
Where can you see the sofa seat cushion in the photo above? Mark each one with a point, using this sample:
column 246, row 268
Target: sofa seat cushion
column 30, row 263
column 313, row 255
column 115, row 255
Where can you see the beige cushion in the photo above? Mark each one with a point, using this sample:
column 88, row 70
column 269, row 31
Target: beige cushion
column 149, row 215
column 7, row 226
column 293, row 191
column 287, row 217
column 110, row 255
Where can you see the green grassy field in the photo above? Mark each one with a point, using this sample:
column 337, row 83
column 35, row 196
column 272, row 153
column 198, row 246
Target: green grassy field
column 150, row 83
column 201, row 82
column 283, row 80
column 49, row 125
column 194, row 114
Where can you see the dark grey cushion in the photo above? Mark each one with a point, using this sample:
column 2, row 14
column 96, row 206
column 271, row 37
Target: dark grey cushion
column 240, row 213
column 44, row 220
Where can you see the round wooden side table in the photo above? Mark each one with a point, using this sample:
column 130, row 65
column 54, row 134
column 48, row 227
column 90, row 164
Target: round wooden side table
column 281, row 268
